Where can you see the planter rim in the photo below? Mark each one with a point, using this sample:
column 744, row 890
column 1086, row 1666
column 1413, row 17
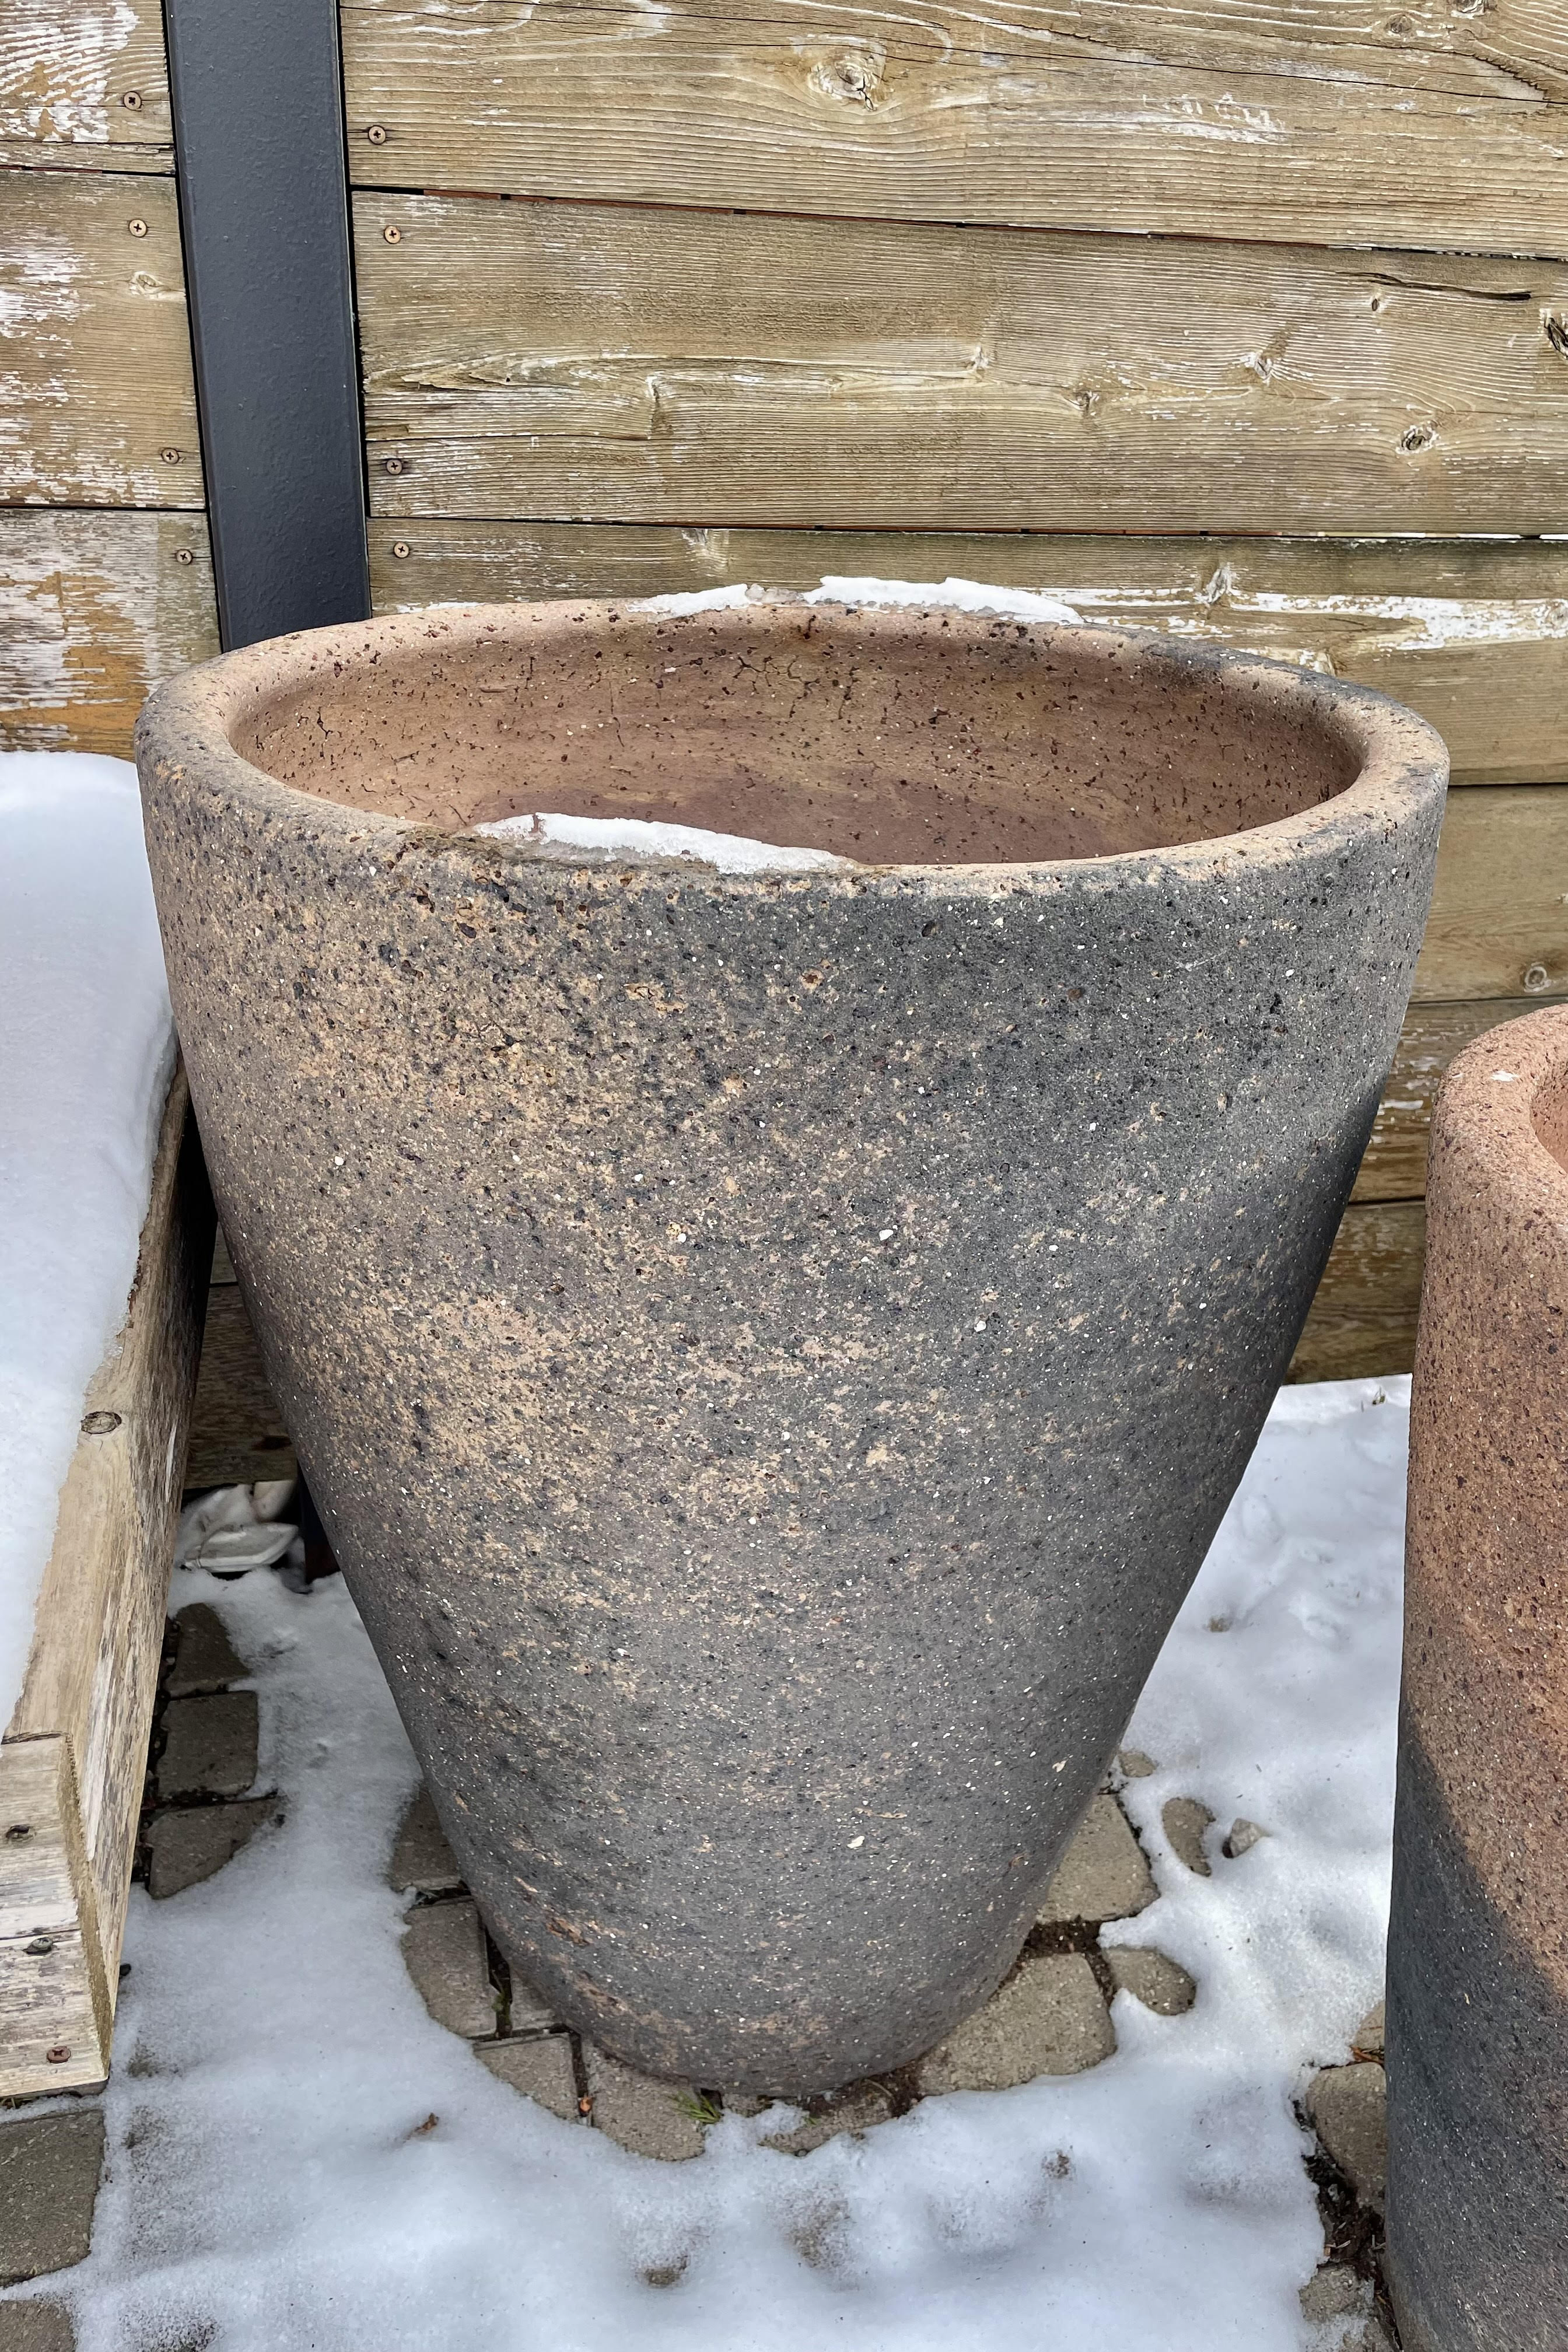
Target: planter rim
column 1489, row 1112
column 188, row 721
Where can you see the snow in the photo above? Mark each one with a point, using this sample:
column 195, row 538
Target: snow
column 86, row 1050
column 842, row 588
column 300, row 2158
column 731, row 853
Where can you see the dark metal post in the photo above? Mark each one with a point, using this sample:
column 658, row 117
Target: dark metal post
column 256, row 88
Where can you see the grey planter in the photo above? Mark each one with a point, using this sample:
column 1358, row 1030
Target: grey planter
column 771, row 1350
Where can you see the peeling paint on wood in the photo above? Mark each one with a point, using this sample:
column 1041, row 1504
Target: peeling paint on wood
column 96, row 402
column 1471, row 633
column 83, row 74
column 590, row 361
column 95, row 609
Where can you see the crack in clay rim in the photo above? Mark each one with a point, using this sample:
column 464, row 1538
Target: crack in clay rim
column 191, row 718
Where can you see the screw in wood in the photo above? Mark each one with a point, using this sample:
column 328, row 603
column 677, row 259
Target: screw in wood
column 98, row 1424
column 183, row 555
column 400, row 547
column 377, row 134
column 132, row 98
column 59, row 2054
column 393, row 234
column 137, row 228
column 394, row 464
column 170, row 456
column 1535, row 980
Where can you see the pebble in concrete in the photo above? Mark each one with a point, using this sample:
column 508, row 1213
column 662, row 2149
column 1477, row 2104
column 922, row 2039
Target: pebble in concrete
column 36, row 2325
column 204, row 1658
column 48, row 2184
column 1161, row 1983
column 1104, row 1873
column 1347, row 2106
column 209, row 1746
column 444, row 1950
column 648, row 2117
column 1048, row 2018
column 542, row 2070
column 856, row 2113
column 422, row 1861
column 186, row 1846
column 1184, row 1821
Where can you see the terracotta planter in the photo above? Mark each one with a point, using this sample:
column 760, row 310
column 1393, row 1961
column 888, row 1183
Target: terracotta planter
column 1478, row 1959
column 771, row 1349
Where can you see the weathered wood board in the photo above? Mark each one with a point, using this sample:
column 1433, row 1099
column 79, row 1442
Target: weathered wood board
column 97, row 400
column 96, row 607
column 1471, row 633
column 83, row 76
column 1499, row 925
column 1363, row 1317
column 1438, row 126
column 74, row 1754
column 584, row 362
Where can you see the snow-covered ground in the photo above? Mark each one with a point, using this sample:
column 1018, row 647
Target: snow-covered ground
column 273, row 2174
column 86, row 1048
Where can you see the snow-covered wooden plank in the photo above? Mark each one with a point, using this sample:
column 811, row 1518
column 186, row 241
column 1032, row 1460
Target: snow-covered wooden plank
column 74, row 1754
column 97, row 400
column 96, row 607
column 1472, row 632
column 623, row 363
column 1440, row 128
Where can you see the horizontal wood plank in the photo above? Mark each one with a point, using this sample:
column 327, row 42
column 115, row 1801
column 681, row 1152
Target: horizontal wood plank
column 83, row 75
column 1394, row 1166
column 96, row 402
column 95, row 609
column 1363, row 1317
column 587, row 361
column 1438, row 127
column 1471, row 633
column 1499, row 925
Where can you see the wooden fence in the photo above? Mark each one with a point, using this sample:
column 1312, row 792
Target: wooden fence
column 1211, row 319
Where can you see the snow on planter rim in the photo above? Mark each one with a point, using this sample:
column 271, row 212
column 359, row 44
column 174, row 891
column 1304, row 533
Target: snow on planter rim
column 86, row 1048
column 299, row 2157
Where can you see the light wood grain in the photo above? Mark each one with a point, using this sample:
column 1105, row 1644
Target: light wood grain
column 55, row 2007
column 1394, row 1168
column 1499, row 925
column 95, row 609
column 585, row 362
column 1439, row 126
column 92, row 1668
column 1471, row 633
column 66, row 67
column 95, row 359
column 1362, row 1321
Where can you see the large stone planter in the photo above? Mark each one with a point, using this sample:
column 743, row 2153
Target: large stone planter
column 772, row 1350
column 1477, row 1959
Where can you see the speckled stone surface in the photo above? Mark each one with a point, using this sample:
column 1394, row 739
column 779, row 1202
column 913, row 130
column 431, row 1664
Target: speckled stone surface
column 1476, row 2021
column 771, row 1350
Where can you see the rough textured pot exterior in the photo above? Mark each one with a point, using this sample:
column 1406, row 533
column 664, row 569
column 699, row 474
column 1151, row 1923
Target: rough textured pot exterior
column 1477, row 1961
column 771, row 1350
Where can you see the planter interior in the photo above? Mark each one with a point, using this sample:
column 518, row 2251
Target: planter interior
column 772, row 1350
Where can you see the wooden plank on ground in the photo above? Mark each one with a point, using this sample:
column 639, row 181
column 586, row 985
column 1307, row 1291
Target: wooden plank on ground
column 83, row 75
column 1442, row 127
column 97, row 404
column 1394, row 1167
column 86, row 1707
column 96, row 607
column 1499, row 925
column 1471, row 633
column 584, row 362
column 1363, row 1317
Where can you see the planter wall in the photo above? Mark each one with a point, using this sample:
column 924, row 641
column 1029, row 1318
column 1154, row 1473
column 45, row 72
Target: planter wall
column 771, row 1350
column 1477, row 1983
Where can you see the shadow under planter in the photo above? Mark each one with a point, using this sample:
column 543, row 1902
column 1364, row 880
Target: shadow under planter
column 1477, row 1961
column 773, row 1346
